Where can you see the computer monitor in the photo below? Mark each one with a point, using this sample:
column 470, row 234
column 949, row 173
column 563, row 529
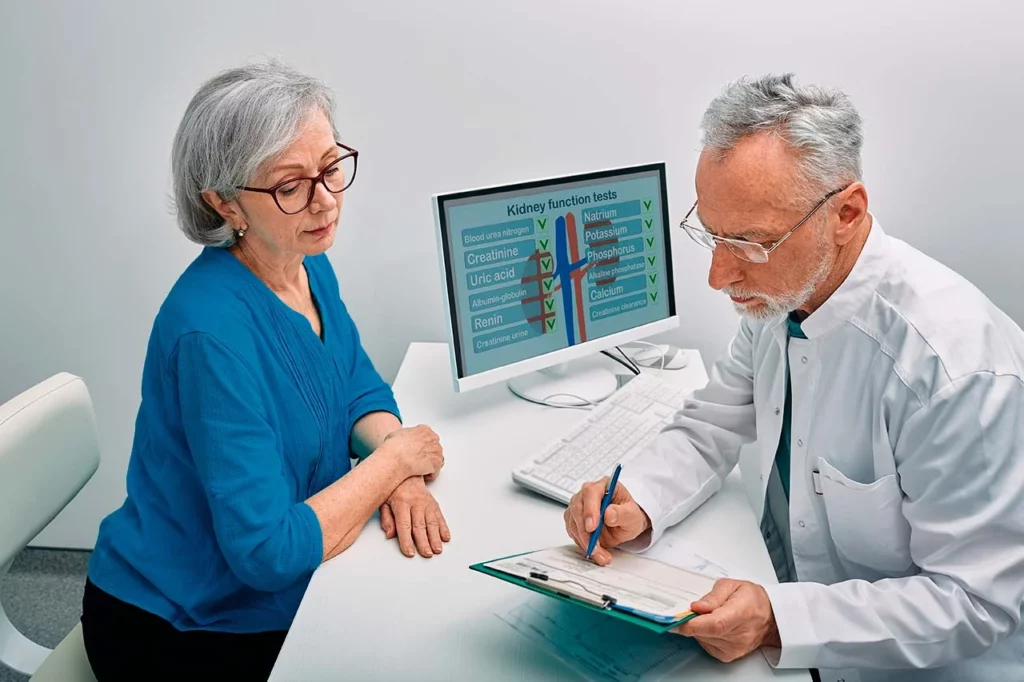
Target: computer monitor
column 537, row 274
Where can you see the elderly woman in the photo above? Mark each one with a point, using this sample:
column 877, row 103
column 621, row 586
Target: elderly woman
column 255, row 394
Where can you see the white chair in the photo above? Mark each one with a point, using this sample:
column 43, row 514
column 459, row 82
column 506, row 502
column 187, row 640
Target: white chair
column 48, row 452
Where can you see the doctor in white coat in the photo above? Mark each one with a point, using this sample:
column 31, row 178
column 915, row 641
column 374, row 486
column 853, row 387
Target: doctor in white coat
column 885, row 395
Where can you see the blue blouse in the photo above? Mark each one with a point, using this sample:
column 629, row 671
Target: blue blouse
column 245, row 414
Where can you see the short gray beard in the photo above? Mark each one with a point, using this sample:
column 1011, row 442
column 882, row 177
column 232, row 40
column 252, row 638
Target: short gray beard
column 783, row 304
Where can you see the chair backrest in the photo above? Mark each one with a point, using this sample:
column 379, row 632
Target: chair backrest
column 48, row 452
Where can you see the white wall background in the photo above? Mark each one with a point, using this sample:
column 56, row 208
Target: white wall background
column 445, row 95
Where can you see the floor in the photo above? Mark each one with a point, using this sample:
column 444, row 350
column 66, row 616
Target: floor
column 42, row 595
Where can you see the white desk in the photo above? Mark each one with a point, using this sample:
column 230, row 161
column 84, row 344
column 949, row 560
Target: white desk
column 372, row 614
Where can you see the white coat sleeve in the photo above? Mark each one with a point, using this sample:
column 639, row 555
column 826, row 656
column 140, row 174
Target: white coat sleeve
column 960, row 461
column 687, row 462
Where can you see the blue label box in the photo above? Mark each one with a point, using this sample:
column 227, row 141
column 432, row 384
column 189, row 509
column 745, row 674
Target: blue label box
column 617, row 288
column 506, row 337
column 501, row 274
column 503, row 317
column 627, row 228
column 623, row 249
column 618, row 306
column 500, row 253
column 625, row 209
column 626, row 266
column 486, row 234
column 503, row 296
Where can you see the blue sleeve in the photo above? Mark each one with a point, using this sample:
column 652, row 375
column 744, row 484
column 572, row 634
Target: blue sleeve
column 268, row 539
column 367, row 391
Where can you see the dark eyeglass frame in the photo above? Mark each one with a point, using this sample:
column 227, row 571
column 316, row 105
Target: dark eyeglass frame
column 698, row 234
column 320, row 179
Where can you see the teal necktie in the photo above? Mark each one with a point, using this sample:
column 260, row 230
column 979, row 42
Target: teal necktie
column 782, row 454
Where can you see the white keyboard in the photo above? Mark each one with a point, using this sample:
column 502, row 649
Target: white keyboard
column 614, row 431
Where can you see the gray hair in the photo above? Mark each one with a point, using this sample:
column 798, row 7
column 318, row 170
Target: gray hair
column 821, row 124
column 237, row 121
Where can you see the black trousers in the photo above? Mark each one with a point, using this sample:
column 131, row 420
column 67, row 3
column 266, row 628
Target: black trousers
column 124, row 642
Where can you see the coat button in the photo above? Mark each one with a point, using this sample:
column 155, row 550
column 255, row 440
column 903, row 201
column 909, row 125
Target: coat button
column 804, row 359
column 799, row 442
column 802, row 524
column 777, row 412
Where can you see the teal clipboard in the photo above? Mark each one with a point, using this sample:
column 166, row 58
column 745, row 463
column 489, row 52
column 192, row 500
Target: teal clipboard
column 647, row 621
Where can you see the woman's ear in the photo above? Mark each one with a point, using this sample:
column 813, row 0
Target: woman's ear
column 852, row 212
column 228, row 210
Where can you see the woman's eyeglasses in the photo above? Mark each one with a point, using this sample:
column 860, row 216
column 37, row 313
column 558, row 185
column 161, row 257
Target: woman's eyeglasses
column 295, row 194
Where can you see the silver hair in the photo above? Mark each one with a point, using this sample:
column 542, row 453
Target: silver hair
column 237, row 121
column 821, row 124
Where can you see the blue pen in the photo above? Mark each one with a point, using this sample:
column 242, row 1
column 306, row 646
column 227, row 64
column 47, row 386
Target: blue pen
column 604, row 505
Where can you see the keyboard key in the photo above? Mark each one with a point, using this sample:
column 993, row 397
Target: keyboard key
column 663, row 411
column 579, row 470
column 636, row 403
column 576, row 431
column 549, row 454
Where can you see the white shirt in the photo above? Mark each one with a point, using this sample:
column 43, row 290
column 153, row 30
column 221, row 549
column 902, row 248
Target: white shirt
column 908, row 414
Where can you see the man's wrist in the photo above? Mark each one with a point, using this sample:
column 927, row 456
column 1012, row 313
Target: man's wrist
column 771, row 637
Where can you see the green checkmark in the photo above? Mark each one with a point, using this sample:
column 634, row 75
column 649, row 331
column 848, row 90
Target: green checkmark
column 650, row 259
column 548, row 283
column 544, row 244
column 648, row 222
column 542, row 223
column 650, row 242
column 551, row 325
column 647, row 205
column 546, row 264
column 654, row 297
column 653, row 278
column 550, row 303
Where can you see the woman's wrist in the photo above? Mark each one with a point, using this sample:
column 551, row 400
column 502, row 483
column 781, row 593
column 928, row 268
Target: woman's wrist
column 398, row 465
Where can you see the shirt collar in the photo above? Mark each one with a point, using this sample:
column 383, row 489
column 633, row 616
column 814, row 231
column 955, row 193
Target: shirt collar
column 860, row 284
column 793, row 323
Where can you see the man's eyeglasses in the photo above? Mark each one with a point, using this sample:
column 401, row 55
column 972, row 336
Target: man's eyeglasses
column 741, row 248
column 295, row 194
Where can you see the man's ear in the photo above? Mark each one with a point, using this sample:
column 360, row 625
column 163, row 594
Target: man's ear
column 228, row 210
column 853, row 210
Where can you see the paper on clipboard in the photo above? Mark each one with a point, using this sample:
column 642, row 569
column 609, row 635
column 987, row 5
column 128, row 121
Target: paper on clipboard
column 636, row 583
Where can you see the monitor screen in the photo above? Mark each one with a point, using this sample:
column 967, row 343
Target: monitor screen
column 537, row 267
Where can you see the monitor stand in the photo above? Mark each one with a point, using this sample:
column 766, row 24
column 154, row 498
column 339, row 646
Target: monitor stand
column 566, row 385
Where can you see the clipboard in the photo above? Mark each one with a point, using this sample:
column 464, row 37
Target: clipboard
column 565, row 592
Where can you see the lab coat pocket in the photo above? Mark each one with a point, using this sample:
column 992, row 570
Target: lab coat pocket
column 866, row 520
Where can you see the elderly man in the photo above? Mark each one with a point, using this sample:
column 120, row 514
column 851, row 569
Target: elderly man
column 886, row 397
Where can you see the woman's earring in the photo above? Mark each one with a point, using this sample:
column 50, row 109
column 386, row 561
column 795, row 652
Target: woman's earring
column 240, row 233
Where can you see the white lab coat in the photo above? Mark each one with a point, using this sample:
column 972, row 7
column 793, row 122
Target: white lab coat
column 908, row 415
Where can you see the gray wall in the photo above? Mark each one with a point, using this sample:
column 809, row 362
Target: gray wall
column 446, row 95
